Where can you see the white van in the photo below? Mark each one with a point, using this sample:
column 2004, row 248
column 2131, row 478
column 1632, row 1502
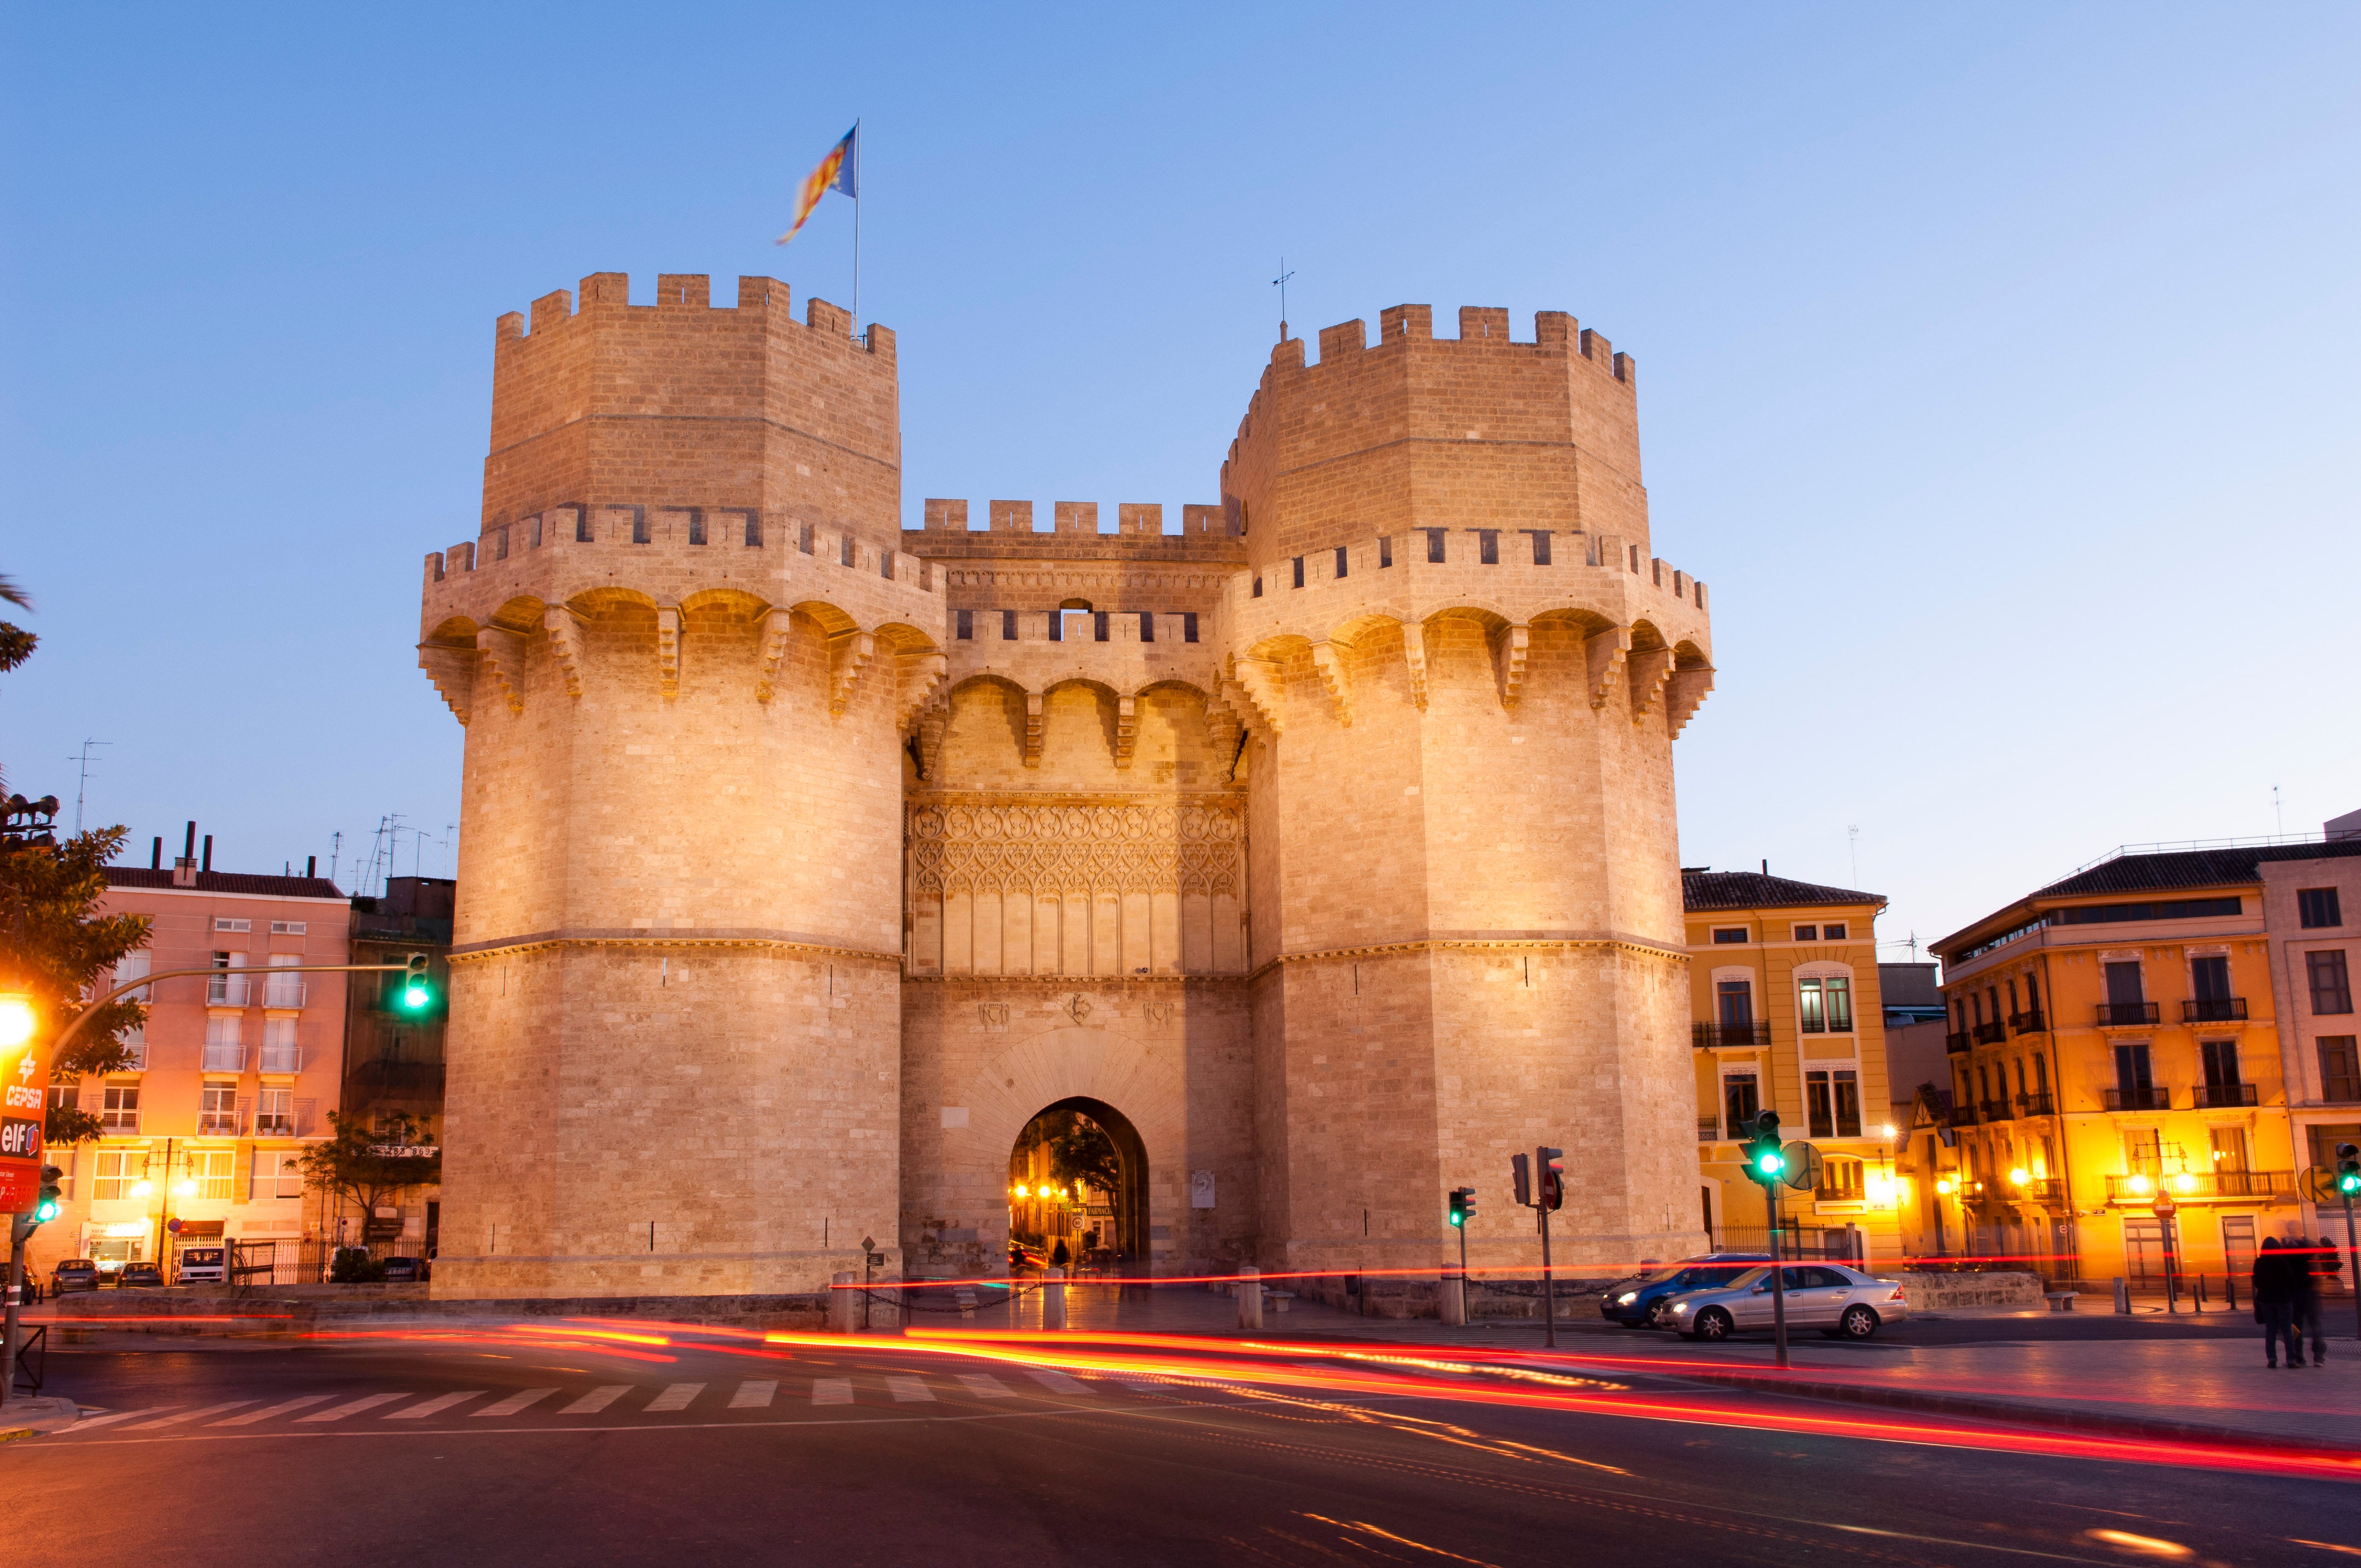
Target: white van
column 202, row 1266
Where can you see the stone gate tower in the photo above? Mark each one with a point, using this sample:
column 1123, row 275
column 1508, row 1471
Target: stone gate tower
column 1322, row 849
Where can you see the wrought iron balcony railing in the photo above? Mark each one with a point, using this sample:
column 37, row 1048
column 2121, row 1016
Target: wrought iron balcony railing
column 2032, row 1021
column 2224, row 1096
column 1991, row 1034
column 2213, row 1010
column 1706, row 1036
column 225, row 1059
column 1993, row 1110
column 2144, row 1097
column 1957, row 1042
column 2125, row 1015
column 2036, row 1104
column 2141, row 1187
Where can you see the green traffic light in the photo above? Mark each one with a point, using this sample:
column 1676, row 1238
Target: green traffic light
column 45, row 1210
column 1771, row 1163
column 2348, row 1182
column 414, row 996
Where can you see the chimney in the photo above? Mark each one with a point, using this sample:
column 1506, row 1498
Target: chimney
column 185, row 870
column 208, row 862
column 156, row 854
column 310, row 865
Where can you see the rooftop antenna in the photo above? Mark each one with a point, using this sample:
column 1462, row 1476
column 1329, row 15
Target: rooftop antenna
column 2277, row 814
column 449, row 829
column 82, row 789
column 1853, row 835
column 336, row 851
column 1279, row 283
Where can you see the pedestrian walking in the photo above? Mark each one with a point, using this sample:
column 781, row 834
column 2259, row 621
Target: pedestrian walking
column 2315, row 1264
column 2274, row 1287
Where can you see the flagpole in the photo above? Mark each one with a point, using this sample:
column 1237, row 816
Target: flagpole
column 856, row 228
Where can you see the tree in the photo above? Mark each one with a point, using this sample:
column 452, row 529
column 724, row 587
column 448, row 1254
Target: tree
column 61, row 950
column 1078, row 1149
column 367, row 1168
column 17, row 644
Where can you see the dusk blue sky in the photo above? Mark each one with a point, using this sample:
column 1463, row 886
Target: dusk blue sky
column 1997, row 365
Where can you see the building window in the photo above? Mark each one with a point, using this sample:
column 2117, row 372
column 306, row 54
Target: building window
column 2332, row 991
column 217, row 1111
column 2144, row 1152
column 1298, row 571
column 1840, row 1182
column 1739, row 1102
column 2316, row 907
column 697, row 528
column 2134, row 1082
column 2221, row 1063
column 1146, row 626
column 281, row 929
column 224, row 922
column 1435, row 542
column 2124, row 988
column 1008, row 626
column 210, row 1168
column 2209, row 978
column 1189, row 626
column 2032, row 995
column 754, row 531
column 2340, row 1067
column 117, row 1170
column 279, row 1051
column 1057, row 626
column 1488, row 546
column 1099, row 625
column 288, row 1178
column 1344, row 567
column 1735, row 998
column 2229, row 1148
column 1257, row 587
column 1730, row 932
column 803, row 538
column 966, row 626
column 1825, row 1005
column 1807, row 933
column 119, row 1111
column 1385, row 550
column 844, row 550
column 1540, row 538
column 223, row 1052
column 274, row 1116
column 1818, row 1106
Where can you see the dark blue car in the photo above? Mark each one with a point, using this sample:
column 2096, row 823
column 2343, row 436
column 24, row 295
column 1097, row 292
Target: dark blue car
column 1632, row 1302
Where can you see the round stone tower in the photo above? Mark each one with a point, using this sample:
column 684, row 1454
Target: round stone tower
column 684, row 644
column 1463, row 671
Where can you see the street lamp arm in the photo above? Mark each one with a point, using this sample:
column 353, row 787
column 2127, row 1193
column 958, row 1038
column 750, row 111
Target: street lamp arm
column 145, row 981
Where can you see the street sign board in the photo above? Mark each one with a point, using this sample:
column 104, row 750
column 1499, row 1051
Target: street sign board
column 24, row 1102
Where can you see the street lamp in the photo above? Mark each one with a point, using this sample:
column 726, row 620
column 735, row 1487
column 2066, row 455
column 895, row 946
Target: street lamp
column 18, row 1020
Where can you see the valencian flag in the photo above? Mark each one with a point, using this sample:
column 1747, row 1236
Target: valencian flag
column 839, row 171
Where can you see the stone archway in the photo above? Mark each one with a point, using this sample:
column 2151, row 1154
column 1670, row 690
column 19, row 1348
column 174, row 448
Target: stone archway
column 1128, row 1233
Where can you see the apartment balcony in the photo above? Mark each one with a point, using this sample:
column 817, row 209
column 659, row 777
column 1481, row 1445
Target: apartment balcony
column 1705, row 1037
column 225, row 1059
column 1993, row 1110
column 2126, row 1015
column 1960, row 1116
column 2224, row 1096
column 2039, row 1104
column 135, row 1057
column 1708, row 1129
column 1958, row 1043
column 119, row 1121
column 2215, row 1010
column 2032, row 1021
column 225, row 991
column 2141, row 1187
column 1990, row 1034
column 2147, row 1097
column 217, row 1124
column 283, row 993
column 281, row 1058
column 2043, row 1190
column 274, row 1126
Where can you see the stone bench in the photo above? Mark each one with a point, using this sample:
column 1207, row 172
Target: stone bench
column 2060, row 1300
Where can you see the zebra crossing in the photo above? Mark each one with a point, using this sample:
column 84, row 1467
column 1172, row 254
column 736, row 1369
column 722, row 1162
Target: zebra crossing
column 549, row 1406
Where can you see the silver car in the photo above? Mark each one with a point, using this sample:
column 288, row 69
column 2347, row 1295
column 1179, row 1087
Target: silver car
column 1842, row 1303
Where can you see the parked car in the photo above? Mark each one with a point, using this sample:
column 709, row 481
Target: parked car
column 139, row 1274
column 1842, row 1303
column 1022, row 1257
column 203, row 1265
column 1634, row 1302
column 407, row 1270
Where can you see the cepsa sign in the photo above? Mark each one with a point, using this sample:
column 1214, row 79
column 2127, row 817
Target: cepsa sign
column 23, row 1092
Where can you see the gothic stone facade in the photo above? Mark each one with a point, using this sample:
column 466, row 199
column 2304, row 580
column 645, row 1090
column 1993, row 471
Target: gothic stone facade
column 1324, row 846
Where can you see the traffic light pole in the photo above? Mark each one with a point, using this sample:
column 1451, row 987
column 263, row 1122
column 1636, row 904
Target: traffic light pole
column 1778, row 1277
column 20, row 1231
column 1549, row 1279
column 2353, row 1255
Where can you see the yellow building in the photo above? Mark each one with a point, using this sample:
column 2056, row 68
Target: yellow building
column 1787, row 1017
column 2117, row 1086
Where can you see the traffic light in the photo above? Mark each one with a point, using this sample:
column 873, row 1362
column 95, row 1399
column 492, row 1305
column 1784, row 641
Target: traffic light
column 1463, row 1205
column 2348, row 1169
column 413, row 994
column 1524, row 1181
column 1553, row 1171
column 1765, row 1160
column 50, row 1203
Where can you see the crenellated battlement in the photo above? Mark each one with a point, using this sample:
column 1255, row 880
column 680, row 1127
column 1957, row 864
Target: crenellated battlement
column 762, row 301
column 946, row 533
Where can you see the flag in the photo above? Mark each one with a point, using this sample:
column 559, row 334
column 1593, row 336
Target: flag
column 839, row 171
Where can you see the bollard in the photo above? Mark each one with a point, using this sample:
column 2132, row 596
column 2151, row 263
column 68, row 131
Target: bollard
column 2230, row 1289
column 1053, row 1297
column 1454, row 1301
column 1250, row 1298
column 843, row 1305
column 965, row 1297
column 2123, row 1294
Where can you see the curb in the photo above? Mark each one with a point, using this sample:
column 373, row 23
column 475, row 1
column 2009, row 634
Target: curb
column 2028, row 1415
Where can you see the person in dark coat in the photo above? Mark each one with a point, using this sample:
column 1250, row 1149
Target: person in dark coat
column 2311, row 1264
column 2274, row 1284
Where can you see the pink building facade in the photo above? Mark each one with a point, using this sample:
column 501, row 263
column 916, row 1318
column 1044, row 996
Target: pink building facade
column 230, row 1080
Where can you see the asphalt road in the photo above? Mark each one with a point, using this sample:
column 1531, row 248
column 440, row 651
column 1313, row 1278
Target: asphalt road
column 876, row 1452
